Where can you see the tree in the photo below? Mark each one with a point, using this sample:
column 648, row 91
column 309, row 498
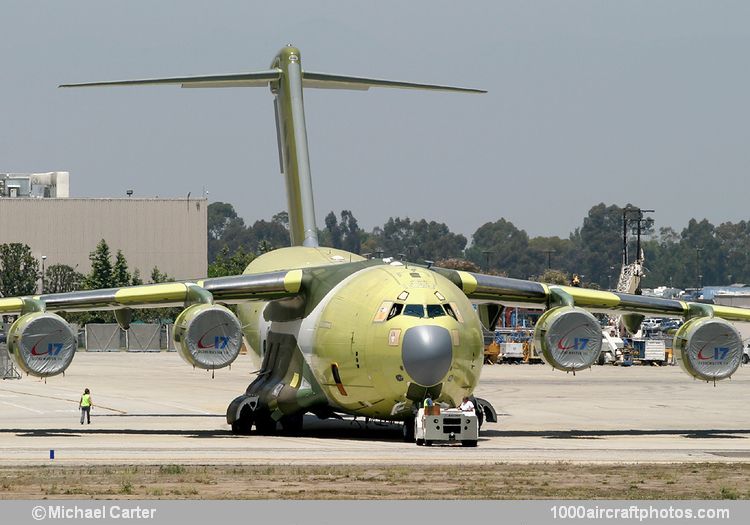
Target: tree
column 136, row 280
column 551, row 276
column 345, row 235
column 332, row 234
column 702, row 252
column 19, row 270
column 416, row 240
column 458, row 264
column 224, row 264
column 120, row 274
column 101, row 275
column 598, row 244
column 500, row 245
column 735, row 247
column 61, row 278
column 274, row 233
column 281, row 218
column 158, row 277
column 219, row 216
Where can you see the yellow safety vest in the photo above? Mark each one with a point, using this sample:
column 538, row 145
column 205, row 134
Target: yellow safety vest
column 86, row 400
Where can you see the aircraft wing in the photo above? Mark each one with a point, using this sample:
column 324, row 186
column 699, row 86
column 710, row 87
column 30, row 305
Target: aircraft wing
column 264, row 286
column 492, row 288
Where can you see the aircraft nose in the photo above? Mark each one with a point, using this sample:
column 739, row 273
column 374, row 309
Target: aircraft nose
column 427, row 352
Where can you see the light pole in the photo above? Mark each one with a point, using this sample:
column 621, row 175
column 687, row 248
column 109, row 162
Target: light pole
column 44, row 258
column 698, row 275
column 487, row 254
column 549, row 257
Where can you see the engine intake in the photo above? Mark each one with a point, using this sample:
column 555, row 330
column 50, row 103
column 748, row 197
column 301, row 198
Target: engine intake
column 208, row 336
column 570, row 338
column 709, row 349
column 42, row 344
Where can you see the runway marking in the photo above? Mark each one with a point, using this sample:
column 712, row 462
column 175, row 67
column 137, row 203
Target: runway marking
column 23, row 407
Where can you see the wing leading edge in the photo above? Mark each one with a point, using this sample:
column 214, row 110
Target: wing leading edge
column 264, row 286
column 481, row 287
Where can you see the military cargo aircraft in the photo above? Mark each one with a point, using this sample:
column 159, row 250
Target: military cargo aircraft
column 338, row 333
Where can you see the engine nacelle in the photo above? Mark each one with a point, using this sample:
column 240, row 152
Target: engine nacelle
column 42, row 344
column 708, row 348
column 570, row 338
column 208, row 336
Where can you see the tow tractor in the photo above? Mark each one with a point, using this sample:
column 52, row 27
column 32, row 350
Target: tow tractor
column 436, row 425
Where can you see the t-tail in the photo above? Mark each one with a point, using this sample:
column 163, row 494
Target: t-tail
column 286, row 79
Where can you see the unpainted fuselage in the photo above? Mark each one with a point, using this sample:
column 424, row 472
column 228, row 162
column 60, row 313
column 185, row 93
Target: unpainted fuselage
column 370, row 338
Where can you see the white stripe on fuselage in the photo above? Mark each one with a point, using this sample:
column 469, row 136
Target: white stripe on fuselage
column 304, row 329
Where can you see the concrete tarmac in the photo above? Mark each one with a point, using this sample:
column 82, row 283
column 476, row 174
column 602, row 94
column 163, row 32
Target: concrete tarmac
column 154, row 409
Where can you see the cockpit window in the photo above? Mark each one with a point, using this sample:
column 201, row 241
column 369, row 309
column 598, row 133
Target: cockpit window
column 395, row 310
column 414, row 310
column 435, row 310
column 449, row 311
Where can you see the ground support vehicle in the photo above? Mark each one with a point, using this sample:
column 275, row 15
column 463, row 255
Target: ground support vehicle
column 651, row 351
column 435, row 425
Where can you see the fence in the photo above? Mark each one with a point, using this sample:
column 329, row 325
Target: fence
column 144, row 338
column 7, row 368
column 141, row 337
column 104, row 337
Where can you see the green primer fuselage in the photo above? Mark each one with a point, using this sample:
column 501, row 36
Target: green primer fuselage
column 344, row 323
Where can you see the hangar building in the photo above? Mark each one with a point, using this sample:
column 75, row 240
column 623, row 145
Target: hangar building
column 170, row 234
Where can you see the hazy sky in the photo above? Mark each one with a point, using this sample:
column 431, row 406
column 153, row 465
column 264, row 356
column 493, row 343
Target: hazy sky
column 589, row 101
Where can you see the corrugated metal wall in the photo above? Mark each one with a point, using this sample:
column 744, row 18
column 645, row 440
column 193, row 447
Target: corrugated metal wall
column 168, row 233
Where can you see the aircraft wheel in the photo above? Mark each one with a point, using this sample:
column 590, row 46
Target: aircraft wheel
column 745, row 359
column 244, row 424
column 265, row 424
column 479, row 411
column 469, row 443
column 408, row 430
column 428, row 443
column 292, row 423
column 420, row 442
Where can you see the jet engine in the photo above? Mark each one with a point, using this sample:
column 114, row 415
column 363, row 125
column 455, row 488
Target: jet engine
column 709, row 349
column 42, row 344
column 208, row 336
column 570, row 338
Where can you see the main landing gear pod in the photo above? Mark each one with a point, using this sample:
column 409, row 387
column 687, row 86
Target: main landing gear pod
column 709, row 349
column 208, row 336
column 570, row 338
column 42, row 344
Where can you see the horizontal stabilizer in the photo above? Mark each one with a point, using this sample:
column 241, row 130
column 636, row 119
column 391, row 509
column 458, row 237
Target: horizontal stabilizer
column 262, row 78
column 328, row 81
column 257, row 79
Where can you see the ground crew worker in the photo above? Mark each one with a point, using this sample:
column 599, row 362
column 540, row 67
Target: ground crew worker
column 466, row 405
column 85, row 405
column 576, row 281
column 428, row 402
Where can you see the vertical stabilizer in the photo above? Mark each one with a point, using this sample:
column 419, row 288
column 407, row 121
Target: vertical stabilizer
column 292, row 137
